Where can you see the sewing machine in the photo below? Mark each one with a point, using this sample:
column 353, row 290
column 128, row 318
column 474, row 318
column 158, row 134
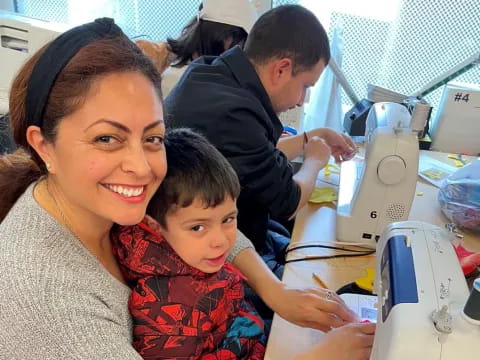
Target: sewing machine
column 20, row 38
column 379, row 189
column 424, row 308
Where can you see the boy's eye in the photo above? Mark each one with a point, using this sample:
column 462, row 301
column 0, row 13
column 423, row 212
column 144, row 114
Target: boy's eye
column 197, row 228
column 229, row 219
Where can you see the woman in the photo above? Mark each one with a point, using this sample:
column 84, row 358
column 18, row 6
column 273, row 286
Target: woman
column 218, row 26
column 86, row 113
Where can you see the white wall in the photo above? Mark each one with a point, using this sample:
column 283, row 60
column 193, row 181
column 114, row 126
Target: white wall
column 262, row 5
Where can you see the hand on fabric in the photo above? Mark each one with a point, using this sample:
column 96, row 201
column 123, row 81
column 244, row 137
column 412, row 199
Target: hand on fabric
column 317, row 149
column 349, row 342
column 341, row 146
column 315, row 308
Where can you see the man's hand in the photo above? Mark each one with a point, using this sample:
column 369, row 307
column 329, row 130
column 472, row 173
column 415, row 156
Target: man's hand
column 316, row 149
column 341, row 146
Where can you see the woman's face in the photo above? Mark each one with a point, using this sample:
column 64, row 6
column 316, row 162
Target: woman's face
column 109, row 158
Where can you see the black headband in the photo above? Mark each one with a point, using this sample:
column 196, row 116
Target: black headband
column 56, row 57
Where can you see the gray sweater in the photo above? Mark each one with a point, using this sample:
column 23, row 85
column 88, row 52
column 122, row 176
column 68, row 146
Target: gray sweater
column 56, row 300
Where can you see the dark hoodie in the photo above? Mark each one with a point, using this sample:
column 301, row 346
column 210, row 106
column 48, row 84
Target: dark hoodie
column 180, row 312
column 224, row 99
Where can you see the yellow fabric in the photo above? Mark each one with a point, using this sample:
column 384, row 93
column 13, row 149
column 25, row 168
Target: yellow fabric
column 366, row 282
column 434, row 174
column 457, row 160
column 331, row 169
column 323, row 194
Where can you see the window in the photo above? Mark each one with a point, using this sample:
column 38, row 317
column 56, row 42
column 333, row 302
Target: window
column 152, row 20
column 402, row 44
column 398, row 44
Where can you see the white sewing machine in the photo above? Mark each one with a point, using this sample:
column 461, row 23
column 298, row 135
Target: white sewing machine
column 379, row 189
column 20, row 38
column 424, row 308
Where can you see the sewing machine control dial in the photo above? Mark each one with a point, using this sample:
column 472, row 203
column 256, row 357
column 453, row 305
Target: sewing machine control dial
column 391, row 170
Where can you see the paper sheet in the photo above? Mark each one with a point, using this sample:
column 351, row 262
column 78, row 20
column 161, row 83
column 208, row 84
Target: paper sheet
column 363, row 305
column 434, row 171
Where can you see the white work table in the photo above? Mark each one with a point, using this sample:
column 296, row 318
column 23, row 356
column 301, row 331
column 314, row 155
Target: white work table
column 316, row 223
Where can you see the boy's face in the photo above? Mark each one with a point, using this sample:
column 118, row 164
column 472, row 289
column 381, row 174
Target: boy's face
column 202, row 237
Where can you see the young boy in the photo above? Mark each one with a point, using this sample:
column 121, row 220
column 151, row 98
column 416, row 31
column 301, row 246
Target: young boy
column 186, row 302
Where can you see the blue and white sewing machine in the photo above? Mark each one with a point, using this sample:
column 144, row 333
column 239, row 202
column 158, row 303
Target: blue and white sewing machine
column 379, row 189
column 424, row 308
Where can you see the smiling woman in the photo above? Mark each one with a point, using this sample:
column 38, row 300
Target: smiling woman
column 86, row 113
column 116, row 150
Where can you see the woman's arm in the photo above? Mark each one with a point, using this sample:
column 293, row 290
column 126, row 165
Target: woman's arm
column 350, row 342
column 307, row 307
column 63, row 321
column 242, row 243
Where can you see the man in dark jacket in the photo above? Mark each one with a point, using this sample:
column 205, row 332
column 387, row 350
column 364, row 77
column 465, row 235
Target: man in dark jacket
column 234, row 100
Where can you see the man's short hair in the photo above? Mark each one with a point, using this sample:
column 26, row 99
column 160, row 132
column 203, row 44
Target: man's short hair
column 196, row 169
column 288, row 31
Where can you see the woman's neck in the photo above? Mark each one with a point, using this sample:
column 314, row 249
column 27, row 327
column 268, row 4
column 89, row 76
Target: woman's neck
column 92, row 231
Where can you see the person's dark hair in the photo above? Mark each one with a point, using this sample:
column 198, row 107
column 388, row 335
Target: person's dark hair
column 203, row 37
column 97, row 59
column 196, row 170
column 288, row 31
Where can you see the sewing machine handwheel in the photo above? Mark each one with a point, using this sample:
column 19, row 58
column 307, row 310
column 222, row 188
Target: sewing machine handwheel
column 391, row 170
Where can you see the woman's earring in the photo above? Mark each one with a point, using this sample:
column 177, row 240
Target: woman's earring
column 48, row 166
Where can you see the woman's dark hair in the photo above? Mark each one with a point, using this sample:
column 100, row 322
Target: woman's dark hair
column 288, row 31
column 196, row 170
column 202, row 37
column 99, row 58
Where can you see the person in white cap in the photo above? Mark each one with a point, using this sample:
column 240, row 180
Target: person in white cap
column 218, row 26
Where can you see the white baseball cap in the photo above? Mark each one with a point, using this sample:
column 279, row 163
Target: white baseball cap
column 239, row 13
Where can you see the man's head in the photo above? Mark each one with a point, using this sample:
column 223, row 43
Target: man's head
column 196, row 203
column 289, row 49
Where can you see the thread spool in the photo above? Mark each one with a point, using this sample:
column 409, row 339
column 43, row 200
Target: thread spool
column 472, row 307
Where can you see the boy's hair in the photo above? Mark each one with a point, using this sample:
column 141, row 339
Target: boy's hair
column 288, row 31
column 196, row 169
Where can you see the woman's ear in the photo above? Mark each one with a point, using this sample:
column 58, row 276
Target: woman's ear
column 42, row 147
